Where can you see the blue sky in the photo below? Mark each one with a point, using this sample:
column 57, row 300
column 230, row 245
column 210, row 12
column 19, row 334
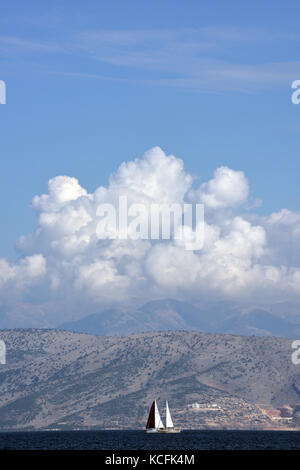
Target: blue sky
column 91, row 84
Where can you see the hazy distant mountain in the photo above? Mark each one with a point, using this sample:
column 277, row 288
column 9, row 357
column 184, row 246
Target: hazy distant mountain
column 57, row 379
column 168, row 314
column 287, row 309
column 259, row 322
column 153, row 316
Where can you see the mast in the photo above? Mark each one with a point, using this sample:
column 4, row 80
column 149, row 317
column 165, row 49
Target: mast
column 169, row 422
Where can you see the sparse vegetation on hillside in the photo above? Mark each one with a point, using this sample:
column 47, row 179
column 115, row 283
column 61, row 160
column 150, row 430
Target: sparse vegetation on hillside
column 59, row 379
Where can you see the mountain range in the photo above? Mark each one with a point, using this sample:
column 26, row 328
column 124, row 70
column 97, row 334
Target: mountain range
column 173, row 315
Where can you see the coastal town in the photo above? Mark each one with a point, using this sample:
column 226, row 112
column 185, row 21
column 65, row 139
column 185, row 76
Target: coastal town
column 236, row 413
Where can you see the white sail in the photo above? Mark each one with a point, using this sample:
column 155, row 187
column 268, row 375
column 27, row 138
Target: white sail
column 169, row 422
column 157, row 418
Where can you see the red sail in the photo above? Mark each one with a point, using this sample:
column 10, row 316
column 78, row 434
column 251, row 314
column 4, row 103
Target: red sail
column 151, row 419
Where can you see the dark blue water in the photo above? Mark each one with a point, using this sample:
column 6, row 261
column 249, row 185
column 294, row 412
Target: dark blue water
column 139, row 440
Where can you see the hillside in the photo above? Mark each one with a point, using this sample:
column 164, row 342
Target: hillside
column 58, row 379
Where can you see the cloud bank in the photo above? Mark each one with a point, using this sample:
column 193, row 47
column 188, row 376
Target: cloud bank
column 65, row 271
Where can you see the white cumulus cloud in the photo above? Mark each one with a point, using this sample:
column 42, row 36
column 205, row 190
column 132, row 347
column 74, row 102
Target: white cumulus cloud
column 228, row 188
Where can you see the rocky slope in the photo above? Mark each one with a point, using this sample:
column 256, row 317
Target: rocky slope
column 58, row 379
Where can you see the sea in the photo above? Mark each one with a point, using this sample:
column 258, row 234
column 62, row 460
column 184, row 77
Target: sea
column 140, row 440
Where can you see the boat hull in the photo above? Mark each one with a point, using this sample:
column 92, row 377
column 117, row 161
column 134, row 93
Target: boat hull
column 164, row 431
column 170, row 430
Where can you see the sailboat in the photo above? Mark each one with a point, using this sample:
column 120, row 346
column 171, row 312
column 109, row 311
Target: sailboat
column 155, row 424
